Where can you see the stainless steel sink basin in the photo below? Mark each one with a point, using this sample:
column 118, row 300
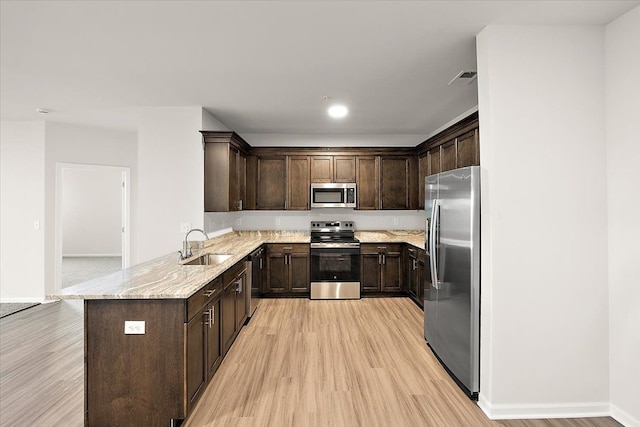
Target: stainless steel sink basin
column 208, row 259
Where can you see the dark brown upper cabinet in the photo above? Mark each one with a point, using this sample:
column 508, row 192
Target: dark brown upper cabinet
column 367, row 182
column 225, row 171
column 298, row 183
column 333, row 168
column 398, row 182
column 271, row 188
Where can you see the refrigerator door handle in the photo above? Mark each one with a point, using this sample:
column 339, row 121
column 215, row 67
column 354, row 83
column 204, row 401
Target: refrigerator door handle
column 432, row 243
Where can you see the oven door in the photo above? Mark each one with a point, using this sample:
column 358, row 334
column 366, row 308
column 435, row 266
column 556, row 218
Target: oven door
column 335, row 263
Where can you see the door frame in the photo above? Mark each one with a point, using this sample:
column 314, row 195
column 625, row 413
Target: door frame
column 125, row 174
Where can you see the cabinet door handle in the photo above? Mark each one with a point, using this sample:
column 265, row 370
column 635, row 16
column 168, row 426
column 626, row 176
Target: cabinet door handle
column 384, row 258
column 260, row 263
column 380, row 259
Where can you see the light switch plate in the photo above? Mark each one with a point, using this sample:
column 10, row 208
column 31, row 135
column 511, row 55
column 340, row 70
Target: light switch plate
column 134, row 327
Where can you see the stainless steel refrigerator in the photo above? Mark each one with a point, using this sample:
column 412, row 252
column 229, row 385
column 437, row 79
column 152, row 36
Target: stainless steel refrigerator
column 452, row 292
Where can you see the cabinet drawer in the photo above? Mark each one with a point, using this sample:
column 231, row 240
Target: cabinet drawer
column 231, row 274
column 202, row 297
column 288, row 248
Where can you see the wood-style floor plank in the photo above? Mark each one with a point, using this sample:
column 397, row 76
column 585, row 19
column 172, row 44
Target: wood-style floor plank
column 297, row 363
column 341, row 363
column 42, row 366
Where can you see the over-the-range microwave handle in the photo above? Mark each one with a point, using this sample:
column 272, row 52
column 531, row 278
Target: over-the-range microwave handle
column 435, row 212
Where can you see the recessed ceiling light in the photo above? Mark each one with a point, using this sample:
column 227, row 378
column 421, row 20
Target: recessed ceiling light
column 40, row 110
column 338, row 111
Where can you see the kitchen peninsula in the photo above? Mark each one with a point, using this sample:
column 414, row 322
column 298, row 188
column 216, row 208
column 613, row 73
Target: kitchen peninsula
column 156, row 333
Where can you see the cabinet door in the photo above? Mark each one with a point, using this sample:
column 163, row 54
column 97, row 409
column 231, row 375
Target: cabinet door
column 196, row 368
column 234, row 182
column 421, row 279
column 212, row 330
column 370, row 268
column 321, row 168
column 423, row 171
column 276, row 272
column 344, row 169
column 368, row 190
column 299, row 188
column 392, row 268
column 468, row 150
column 412, row 273
column 434, row 161
column 241, row 298
column 228, row 317
column 394, row 182
column 299, row 272
column 448, row 156
column 272, row 183
column 242, row 182
column 216, row 177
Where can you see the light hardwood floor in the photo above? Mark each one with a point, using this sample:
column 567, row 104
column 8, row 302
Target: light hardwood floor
column 297, row 363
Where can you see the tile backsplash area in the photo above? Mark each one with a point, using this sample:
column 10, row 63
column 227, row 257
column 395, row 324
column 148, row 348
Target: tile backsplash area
column 300, row 220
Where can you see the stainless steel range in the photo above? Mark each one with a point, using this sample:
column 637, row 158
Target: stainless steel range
column 335, row 260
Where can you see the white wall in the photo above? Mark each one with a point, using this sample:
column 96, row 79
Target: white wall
column 544, row 320
column 170, row 175
column 330, row 140
column 91, row 212
column 22, row 157
column 622, row 43
column 300, row 220
column 67, row 143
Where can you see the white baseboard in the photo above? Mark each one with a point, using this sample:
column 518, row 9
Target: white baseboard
column 536, row 411
column 623, row 417
column 91, row 255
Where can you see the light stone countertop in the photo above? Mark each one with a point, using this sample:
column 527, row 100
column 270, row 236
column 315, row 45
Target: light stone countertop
column 165, row 278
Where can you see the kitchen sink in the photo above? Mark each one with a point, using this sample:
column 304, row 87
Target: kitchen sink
column 208, row 259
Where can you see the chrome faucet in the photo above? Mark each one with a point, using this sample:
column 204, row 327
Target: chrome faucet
column 186, row 249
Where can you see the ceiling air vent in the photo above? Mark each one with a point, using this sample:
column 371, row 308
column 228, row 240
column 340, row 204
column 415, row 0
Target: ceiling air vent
column 464, row 76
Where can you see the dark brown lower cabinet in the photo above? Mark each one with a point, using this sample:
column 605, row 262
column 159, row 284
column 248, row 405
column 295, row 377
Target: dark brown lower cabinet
column 156, row 378
column 416, row 274
column 381, row 268
column 287, row 269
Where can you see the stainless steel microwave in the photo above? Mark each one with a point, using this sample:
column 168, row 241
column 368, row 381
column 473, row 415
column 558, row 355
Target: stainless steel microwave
column 328, row 195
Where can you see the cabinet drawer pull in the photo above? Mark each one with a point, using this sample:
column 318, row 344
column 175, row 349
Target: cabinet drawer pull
column 210, row 292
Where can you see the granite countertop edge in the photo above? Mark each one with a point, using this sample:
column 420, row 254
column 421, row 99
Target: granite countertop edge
column 165, row 278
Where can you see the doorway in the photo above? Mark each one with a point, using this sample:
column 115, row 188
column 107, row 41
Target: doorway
column 92, row 222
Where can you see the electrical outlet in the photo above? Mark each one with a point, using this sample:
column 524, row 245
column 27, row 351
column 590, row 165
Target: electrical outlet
column 238, row 221
column 395, row 220
column 277, row 222
column 134, row 327
column 185, row 227
column 36, row 225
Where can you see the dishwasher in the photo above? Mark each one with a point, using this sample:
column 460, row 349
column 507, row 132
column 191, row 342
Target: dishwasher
column 255, row 270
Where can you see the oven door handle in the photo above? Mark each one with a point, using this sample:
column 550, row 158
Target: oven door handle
column 335, row 245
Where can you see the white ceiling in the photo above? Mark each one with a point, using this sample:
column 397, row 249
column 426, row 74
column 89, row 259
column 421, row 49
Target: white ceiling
column 259, row 66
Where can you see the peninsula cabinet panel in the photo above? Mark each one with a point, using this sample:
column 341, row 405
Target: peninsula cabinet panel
column 299, row 187
column 394, row 182
column 367, row 181
column 135, row 379
column 448, row 156
column 322, row 169
column 272, row 183
column 344, row 169
column 468, row 153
